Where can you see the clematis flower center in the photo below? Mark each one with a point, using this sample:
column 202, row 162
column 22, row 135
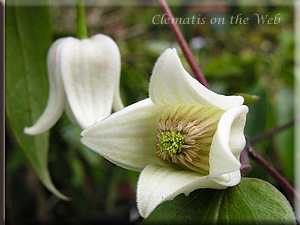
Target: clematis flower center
column 171, row 142
column 185, row 135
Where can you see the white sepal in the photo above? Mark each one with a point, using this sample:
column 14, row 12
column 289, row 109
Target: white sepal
column 91, row 73
column 127, row 137
column 159, row 183
column 228, row 179
column 228, row 142
column 171, row 84
column 56, row 99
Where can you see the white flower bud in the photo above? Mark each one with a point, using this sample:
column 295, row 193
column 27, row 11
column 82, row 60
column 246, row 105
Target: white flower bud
column 84, row 77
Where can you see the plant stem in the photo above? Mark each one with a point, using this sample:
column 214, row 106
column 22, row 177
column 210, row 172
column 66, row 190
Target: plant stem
column 182, row 43
column 273, row 132
column 80, row 20
column 273, row 173
column 244, row 159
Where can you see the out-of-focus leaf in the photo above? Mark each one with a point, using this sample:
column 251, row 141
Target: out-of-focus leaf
column 253, row 201
column 71, row 133
column 14, row 161
column 77, row 171
column 28, row 37
column 284, row 141
column 135, row 84
column 258, row 113
column 223, row 67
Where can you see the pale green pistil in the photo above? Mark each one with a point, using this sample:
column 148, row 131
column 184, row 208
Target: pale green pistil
column 171, row 142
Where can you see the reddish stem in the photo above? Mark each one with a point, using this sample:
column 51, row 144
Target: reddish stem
column 273, row 173
column 182, row 43
column 274, row 131
column 244, row 159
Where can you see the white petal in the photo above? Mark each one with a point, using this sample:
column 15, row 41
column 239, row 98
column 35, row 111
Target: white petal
column 172, row 84
column 89, row 70
column 117, row 101
column 56, row 99
column 159, row 183
column 228, row 142
column 127, row 137
column 228, row 179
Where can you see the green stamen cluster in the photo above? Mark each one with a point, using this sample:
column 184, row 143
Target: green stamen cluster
column 171, row 142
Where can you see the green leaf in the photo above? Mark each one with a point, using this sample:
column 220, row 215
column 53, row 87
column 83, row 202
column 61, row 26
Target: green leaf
column 253, row 201
column 28, row 37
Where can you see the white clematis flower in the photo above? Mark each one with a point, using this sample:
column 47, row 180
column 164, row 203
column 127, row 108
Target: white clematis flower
column 184, row 137
column 84, row 77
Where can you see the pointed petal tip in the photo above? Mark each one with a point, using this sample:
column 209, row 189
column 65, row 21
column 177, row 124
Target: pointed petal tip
column 127, row 137
column 56, row 97
column 170, row 83
column 27, row 130
column 169, row 52
column 33, row 131
column 82, row 134
column 239, row 99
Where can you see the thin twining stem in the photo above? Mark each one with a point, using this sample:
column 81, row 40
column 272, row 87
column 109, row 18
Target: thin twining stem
column 273, row 131
column 182, row 43
column 273, row 173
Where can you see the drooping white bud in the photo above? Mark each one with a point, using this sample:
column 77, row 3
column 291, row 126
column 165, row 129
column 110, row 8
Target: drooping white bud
column 86, row 74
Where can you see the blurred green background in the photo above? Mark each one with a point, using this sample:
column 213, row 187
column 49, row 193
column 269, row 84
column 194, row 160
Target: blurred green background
column 255, row 58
